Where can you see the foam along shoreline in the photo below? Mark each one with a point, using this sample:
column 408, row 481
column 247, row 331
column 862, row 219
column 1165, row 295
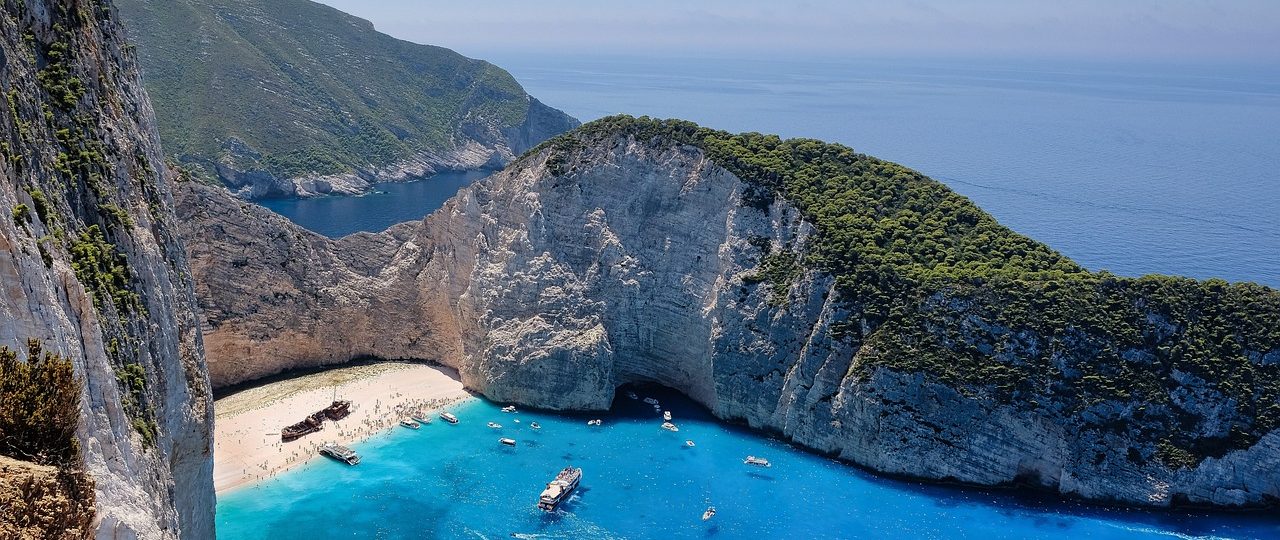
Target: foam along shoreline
column 247, row 424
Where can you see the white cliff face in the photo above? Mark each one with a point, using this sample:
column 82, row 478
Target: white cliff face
column 159, row 489
column 636, row 266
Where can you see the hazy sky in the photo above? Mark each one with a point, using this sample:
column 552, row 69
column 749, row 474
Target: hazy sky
column 1247, row 30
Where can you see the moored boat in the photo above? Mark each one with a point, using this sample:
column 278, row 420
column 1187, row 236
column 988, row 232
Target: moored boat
column 632, row 395
column 509, row 409
column 494, row 425
column 508, row 442
column 666, row 415
column 689, row 443
column 757, row 461
column 421, row 418
column 596, row 422
column 710, row 513
column 669, row 426
column 559, row 489
column 535, row 425
column 449, row 417
column 340, row 453
column 411, row 424
column 651, row 401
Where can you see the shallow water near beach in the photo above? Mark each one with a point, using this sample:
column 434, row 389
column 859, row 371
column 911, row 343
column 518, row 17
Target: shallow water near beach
column 639, row 481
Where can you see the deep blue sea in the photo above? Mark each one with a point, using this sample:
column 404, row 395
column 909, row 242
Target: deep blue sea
column 641, row 482
column 1132, row 168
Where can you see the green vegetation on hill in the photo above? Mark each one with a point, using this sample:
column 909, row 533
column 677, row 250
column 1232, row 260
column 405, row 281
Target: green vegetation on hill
column 39, row 406
column 933, row 284
column 308, row 89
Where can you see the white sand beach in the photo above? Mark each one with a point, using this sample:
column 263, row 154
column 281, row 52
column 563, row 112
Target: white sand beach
column 247, row 446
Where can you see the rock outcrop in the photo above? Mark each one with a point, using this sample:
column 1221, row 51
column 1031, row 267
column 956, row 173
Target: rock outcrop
column 626, row 257
column 90, row 265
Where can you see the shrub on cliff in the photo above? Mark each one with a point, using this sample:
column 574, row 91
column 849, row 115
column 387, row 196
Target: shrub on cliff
column 39, row 406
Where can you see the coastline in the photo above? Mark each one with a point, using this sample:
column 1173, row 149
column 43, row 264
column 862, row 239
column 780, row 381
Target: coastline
column 247, row 445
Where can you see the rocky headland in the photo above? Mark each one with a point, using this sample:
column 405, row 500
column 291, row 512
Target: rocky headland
column 850, row 304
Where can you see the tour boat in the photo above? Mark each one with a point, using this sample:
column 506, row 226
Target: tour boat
column 711, row 512
column 449, row 417
column 509, row 408
column 495, row 425
column 508, row 442
column 340, row 453
column 559, row 489
column 535, row 425
column 666, row 415
column 669, row 426
column 420, row 418
column 410, row 424
column 759, row 462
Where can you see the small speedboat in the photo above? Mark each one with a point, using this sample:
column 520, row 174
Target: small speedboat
column 689, row 443
column 666, row 415
column 757, row 461
column 535, row 425
column 596, row 422
column 632, row 395
column 508, row 442
column 710, row 513
column 509, row 408
column 669, row 426
column 494, row 425
column 651, row 401
column 411, row 424
column 517, row 420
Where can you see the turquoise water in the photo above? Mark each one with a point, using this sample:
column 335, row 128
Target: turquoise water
column 456, row 481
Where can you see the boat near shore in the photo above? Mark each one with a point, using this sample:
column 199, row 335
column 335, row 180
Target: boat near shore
column 509, row 409
column 670, row 427
column 340, row 453
column 596, row 422
column 411, row 424
column 559, row 489
column 666, row 415
column 421, row 418
column 448, row 417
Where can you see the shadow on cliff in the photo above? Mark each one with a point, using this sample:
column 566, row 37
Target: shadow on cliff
column 226, row 391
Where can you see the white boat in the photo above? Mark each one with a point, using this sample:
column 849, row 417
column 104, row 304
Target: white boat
column 669, row 426
column 495, row 425
column 449, row 417
column 411, row 424
column 596, row 422
column 517, row 420
column 666, row 415
column 340, row 453
column 509, row 408
column 651, row 401
column 689, row 443
column 421, row 418
column 535, row 425
column 632, row 395
column 560, row 488
column 710, row 513
column 757, row 461
column 508, row 442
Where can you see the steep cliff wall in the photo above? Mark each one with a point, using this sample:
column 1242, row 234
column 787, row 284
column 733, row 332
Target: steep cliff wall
column 629, row 252
column 90, row 264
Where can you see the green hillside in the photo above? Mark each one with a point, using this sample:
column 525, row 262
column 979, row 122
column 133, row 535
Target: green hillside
column 310, row 90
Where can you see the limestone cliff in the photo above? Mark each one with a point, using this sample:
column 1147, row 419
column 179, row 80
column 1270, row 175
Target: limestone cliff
column 630, row 251
column 90, row 264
